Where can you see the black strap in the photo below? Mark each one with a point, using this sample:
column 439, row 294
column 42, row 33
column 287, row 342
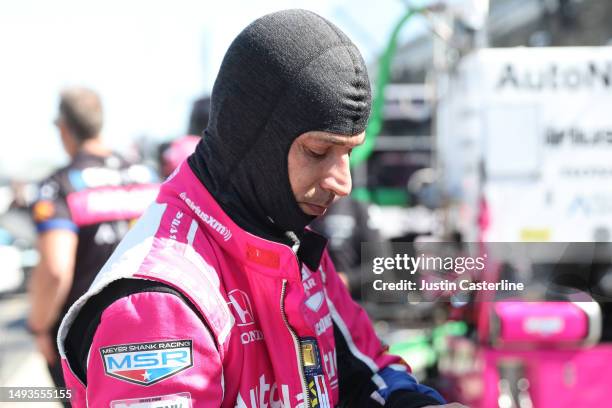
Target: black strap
column 80, row 335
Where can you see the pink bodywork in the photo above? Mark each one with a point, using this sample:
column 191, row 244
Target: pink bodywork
column 547, row 323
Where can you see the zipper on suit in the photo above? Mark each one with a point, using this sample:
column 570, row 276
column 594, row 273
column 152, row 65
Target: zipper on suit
column 298, row 347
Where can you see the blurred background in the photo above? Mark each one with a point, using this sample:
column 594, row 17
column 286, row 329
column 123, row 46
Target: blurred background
column 491, row 123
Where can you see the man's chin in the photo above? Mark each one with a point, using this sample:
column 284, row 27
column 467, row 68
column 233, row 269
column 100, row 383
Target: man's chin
column 312, row 209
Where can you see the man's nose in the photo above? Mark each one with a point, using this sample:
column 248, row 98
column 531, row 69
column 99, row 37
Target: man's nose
column 337, row 180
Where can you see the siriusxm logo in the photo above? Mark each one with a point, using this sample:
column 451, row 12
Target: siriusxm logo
column 208, row 219
column 147, row 363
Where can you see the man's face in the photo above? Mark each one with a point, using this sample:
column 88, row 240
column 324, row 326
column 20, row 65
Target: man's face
column 319, row 169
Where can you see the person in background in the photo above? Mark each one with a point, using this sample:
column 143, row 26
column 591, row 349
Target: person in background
column 200, row 113
column 82, row 212
column 171, row 154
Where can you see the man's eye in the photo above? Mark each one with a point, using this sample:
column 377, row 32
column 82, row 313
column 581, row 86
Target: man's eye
column 314, row 154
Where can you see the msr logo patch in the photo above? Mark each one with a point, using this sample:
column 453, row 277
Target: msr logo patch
column 147, row 363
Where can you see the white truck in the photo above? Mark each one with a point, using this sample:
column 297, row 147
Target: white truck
column 524, row 144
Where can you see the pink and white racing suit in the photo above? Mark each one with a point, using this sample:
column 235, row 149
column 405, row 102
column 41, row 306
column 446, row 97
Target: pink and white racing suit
column 193, row 311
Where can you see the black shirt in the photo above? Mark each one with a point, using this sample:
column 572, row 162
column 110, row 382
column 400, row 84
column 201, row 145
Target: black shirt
column 97, row 198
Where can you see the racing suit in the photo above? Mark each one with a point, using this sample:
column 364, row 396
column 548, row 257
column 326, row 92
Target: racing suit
column 193, row 311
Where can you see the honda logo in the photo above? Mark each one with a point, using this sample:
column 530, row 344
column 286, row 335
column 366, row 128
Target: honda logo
column 241, row 306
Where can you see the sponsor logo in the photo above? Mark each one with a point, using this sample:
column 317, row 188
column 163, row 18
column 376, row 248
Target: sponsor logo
column 315, row 301
column 174, row 225
column 208, row 219
column 139, row 173
column 597, row 204
column 43, row 210
column 241, row 307
column 319, row 396
column 180, row 400
column 94, row 177
column 100, row 176
column 544, row 326
column 579, row 137
column 589, row 75
column 251, row 336
column 134, row 200
column 147, row 363
column 309, row 283
column 305, row 273
column 590, row 172
column 331, row 367
column 267, row 395
column 322, row 325
column 110, row 203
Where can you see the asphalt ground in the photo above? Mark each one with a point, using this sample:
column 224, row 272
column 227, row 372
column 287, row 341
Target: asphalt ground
column 20, row 364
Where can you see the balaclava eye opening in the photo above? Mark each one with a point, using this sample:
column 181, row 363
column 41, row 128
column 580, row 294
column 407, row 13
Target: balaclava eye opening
column 285, row 74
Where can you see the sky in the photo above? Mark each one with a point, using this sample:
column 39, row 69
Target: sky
column 149, row 60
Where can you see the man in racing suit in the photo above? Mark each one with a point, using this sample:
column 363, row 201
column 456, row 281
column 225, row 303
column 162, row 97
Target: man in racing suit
column 220, row 296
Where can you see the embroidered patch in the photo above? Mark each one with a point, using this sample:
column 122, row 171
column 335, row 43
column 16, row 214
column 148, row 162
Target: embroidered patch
column 180, row 400
column 264, row 257
column 311, row 358
column 240, row 304
column 147, row 363
column 43, row 210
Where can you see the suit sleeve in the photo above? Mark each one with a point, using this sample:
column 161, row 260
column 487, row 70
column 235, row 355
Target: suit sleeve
column 151, row 346
column 368, row 375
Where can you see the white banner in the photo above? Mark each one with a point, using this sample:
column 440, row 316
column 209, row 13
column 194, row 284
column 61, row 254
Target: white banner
column 530, row 130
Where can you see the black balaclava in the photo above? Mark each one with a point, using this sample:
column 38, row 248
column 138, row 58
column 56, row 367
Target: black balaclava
column 285, row 74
